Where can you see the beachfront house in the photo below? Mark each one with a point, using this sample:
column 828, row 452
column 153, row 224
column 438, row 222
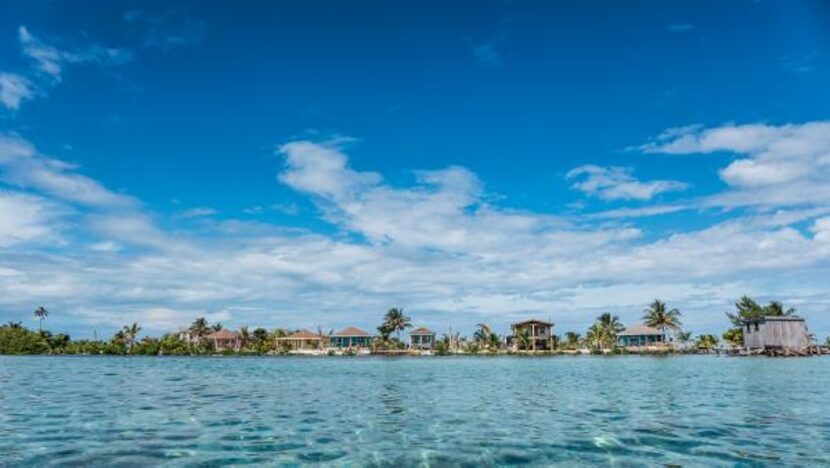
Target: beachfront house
column 531, row 335
column 225, row 340
column 422, row 338
column 351, row 337
column 784, row 333
column 641, row 337
column 303, row 339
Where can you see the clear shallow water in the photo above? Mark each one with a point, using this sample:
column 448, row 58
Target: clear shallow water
column 691, row 410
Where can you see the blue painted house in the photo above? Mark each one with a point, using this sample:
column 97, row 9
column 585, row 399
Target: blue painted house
column 641, row 336
column 351, row 337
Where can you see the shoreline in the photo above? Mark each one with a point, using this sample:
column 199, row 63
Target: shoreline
column 663, row 355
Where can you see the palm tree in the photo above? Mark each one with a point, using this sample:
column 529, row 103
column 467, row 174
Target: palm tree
column 130, row 334
column 41, row 313
column 609, row 326
column 594, row 337
column 656, row 316
column 572, row 340
column 523, row 340
column 734, row 336
column 747, row 308
column 199, row 329
column 494, row 342
column 482, row 335
column 244, row 337
column 684, row 338
column 217, row 327
column 396, row 321
column 707, row 342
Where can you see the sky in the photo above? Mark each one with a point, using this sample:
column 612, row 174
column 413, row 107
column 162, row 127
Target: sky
column 313, row 164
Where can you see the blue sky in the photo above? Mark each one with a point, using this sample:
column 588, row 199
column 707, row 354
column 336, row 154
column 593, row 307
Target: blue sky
column 315, row 164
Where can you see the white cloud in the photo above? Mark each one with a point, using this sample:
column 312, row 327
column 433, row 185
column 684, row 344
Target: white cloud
column 14, row 89
column 618, row 183
column 321, row 169
column 24, row 218
column 198, row 212
column 436, row 246
column 24, row 166
column 781, row 165
column 51, row 60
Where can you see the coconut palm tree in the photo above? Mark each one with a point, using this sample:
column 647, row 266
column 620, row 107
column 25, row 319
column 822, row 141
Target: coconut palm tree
column 523, row 340
column 594, row 336
column 609, row 326
column 130, row 334
column 747, row 308
column 41, row 313
column 396, row 321
column 734, row 336
column 482, row 334
column 572, row 340
column 684, row 338
column 199, row 329
column 707, row 342
column 244, row 336
column 493, row 342
column 657, row 316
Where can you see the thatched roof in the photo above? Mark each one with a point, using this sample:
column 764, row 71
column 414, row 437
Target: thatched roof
column 224, row 334
column 302, row 335
column 640, row 330
column 422, row 331
column 351, row 332
column 533, row 322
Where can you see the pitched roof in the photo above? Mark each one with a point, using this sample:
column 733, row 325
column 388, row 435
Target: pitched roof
column 529, row 321
column 351, row 331
column 302, row 335
column 422, row 331
column 224, row 334
column 639, row 330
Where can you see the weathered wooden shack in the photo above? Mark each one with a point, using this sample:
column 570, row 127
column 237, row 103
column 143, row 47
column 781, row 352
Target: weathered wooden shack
column 776, row 333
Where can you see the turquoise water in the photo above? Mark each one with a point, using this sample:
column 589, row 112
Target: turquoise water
column 691, row 410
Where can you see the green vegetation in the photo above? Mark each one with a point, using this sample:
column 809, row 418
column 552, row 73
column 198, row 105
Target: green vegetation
column 603, row 333
column 746, row 308
column 484, row 339
column 197, row 339
column 707, row 342
column 656, row 316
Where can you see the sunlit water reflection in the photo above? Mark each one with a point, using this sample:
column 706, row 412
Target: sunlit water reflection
column 697, row 410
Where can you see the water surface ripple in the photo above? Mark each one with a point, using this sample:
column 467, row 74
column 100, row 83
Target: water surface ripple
column 461, row 411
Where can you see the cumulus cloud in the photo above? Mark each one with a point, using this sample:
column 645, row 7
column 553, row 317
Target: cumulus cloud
column 618, row 183
column 779, row 165
column 436, row 245
column 14, row 89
